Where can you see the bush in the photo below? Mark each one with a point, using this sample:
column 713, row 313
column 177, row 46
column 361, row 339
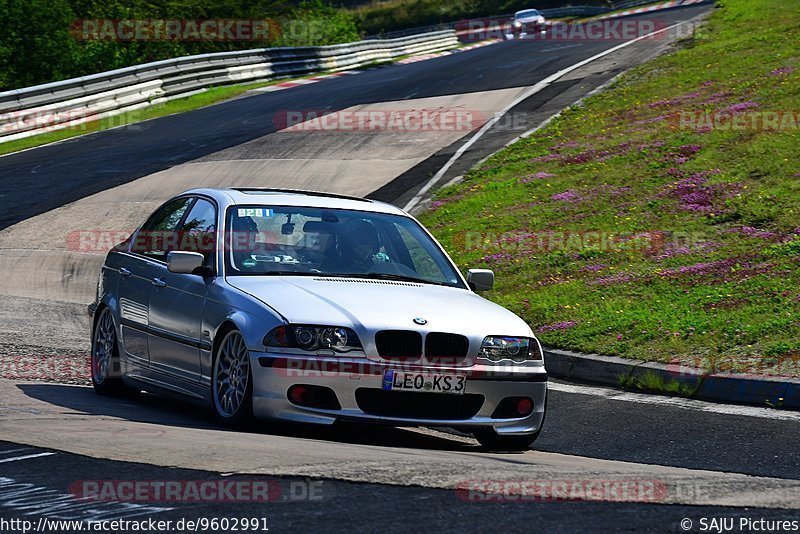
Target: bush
column 35, row 45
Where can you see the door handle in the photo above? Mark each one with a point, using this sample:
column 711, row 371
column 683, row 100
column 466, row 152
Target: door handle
column 158, row 282
column 124, row 272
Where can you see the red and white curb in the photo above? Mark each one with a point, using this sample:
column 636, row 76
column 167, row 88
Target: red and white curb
column 305, row 81
column 423, row 57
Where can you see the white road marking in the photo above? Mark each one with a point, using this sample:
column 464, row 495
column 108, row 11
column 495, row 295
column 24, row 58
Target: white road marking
column 26, row 498
column 9, row 451
column 27, row 457
column 675, row 402
column 527, row 94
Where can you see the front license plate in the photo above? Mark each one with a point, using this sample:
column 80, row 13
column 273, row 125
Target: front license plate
column 428, row 382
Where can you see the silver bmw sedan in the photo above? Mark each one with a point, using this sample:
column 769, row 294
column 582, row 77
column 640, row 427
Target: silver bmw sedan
column 312, row 307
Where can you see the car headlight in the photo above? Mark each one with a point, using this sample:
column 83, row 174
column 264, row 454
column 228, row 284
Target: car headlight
column 517, row 24
column 312, row 338
column 516, row 349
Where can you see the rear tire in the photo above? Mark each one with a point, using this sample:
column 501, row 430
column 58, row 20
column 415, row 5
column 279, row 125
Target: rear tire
column 105, row 362
column 232, row 381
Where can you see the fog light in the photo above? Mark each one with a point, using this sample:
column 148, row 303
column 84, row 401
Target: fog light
column 524, row 406
column 299, row 395
column 310, row 396
column 513, row 408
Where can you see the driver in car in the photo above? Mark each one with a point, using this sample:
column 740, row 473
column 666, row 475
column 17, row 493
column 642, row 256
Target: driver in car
column 359, row 248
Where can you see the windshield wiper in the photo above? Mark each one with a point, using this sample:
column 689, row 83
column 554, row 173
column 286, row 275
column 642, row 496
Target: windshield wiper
column 387, row 276
column 286, row 273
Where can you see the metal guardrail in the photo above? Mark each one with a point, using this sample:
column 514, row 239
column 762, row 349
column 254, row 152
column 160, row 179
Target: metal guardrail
column 32, row 110
column 58, row 105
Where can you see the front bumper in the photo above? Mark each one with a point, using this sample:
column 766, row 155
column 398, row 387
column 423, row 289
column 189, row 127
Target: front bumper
column 274, row 374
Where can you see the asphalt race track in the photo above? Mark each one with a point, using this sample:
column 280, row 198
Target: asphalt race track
column 685, row 460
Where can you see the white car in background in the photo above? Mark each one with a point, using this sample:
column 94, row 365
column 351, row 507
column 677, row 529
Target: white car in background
column 527, row 22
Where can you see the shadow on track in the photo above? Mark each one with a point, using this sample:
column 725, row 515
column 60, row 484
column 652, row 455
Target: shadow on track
column 167, row 411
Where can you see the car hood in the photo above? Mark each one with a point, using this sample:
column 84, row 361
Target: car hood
column 372, row 305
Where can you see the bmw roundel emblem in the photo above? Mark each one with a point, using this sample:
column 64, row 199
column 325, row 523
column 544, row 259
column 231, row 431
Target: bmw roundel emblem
column 420, row 321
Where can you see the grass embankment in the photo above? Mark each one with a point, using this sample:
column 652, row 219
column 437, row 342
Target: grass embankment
column 620, row 230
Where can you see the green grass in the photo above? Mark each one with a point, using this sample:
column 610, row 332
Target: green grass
column 616, row 231
column 653, row 383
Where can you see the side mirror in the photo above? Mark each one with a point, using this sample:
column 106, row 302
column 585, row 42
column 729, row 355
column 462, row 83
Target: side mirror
column 184, row 262
column 480, row 279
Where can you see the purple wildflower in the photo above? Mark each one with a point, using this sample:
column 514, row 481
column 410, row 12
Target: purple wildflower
column 500, row 256
column 614, row 279
column 567, row 144
column 741, row 106
column 781, row 71
column 718, row 268
column 563, row 325
column 567, row 196
column 653, row 120
column 673, row 251
column 749, row 231
column 674, row 101
column 545, row 158
column 437, row 204
column 695, row 194
column 717, row 97
column 593, row 268
column 689, row 150
column 541, row 175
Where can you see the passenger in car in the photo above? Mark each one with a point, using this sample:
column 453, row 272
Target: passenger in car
column 358, row 247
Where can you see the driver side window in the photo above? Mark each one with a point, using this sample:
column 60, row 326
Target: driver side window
column 198, row 232
column 159, row 234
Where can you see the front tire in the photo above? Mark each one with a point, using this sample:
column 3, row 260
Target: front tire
column 232, row 381
column 105, row 362
column 494, row 442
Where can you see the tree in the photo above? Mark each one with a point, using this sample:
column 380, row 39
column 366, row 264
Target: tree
column 35, row 44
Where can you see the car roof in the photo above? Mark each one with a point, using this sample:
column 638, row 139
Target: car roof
column 256, row 196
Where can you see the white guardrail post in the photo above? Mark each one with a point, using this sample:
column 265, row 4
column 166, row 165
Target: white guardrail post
column 42, row 108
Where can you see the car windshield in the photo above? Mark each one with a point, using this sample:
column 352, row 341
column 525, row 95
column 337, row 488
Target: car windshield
column 302, row 241
column 526, row 14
